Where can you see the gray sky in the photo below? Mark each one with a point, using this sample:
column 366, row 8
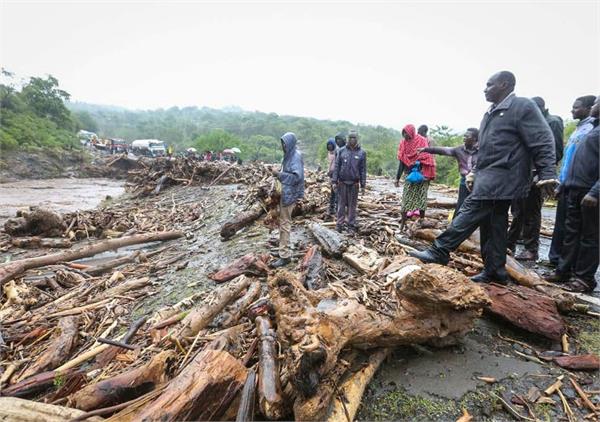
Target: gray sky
column 385, row 63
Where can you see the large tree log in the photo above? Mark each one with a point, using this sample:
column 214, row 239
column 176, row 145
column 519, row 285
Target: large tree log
column 270, row 398
column 126, row 386
column 311, row 268
column 233, row 313
column 15, row 268
column 332, row 242
column 40, row 242
column 245, row 411
column 353, row 387
column 203, row 314
column 526, row 309
column 239, row 221
column 58, row 351
column 18, row 410
column 202, row 391
column 249, row 264
column 428, row 303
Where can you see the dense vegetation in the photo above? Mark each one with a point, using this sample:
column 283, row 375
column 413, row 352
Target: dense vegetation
column 35, row 115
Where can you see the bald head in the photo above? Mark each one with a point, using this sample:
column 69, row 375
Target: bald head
column 499, row 86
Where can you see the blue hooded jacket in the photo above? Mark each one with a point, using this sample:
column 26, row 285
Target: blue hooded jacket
column 291, row 175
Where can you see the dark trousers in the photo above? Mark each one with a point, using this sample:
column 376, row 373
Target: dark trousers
column 332, row 202
column 559, row 229
column 580, row 245
column 492, row 219
column 347, row 203
column 527, row 220
column 463, row 192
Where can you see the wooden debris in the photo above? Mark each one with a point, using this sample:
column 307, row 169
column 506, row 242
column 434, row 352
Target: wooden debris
column 311, row 268
column 242, row 220
column 40, row 242
column 588, row 362
column 249, row 264
column 332, row 242
column 20, row 410
column 270, row 398
column 246, row 407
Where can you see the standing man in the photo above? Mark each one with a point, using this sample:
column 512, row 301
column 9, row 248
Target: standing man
column 291, row 177
column 527, row 212
column 580, row 111
column 350, row 171
column 422, row 130
column 579, row 256
column 513, row 134
column 466, row 157
column 340, row 140
column 331, row 152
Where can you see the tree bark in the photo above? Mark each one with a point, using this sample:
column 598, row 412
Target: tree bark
column 15, row 268
column 579, row 362
column 232, row 314
column 239, row 221
column 20, row 410
column 332, row 242
column 270, row 398
column 249, row 264
column 126, row 386
column 40, row 242
column 312, row 269
column 246, row 408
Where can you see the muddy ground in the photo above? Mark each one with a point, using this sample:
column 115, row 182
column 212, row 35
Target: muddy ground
column 415, row 383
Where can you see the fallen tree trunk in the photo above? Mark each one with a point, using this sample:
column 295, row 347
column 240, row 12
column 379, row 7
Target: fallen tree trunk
column 20, row 410
column 40, row 242
column 202, row 391
column 426, row 303
column 134, row 284
column 126, row 386
column 109, row 265
column 270, row 398
column 37, row 383
column 346, row 403
column 239, row 221
column 249, row 264
column 232, row 314
column 579, row 362
column 332, row 242
column 15, row 268
column 311, row 268
column 246, row 408
column 526, row 309
column 58, row 351
column 203, row 314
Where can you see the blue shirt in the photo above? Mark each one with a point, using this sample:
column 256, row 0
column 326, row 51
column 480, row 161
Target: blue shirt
column 582, row 129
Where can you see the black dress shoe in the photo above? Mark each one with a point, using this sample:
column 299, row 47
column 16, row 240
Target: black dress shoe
column 281, row 262
column 558, row 278
column 427, row 257
column 484, row 277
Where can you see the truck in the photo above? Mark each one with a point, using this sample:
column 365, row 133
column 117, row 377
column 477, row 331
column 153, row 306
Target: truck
column 148, row 147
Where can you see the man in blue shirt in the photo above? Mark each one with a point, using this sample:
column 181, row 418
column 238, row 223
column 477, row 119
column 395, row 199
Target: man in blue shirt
column 581, row 111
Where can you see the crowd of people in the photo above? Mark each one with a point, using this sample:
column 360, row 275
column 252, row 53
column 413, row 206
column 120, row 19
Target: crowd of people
column 509, row 163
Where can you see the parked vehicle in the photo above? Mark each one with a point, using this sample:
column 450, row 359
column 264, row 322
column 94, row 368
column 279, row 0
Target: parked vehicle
column 86, row 137
column 148, row 147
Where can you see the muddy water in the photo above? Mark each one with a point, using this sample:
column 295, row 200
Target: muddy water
column 62, row 195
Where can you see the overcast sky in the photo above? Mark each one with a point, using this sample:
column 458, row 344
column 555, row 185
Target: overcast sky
column 385, row 63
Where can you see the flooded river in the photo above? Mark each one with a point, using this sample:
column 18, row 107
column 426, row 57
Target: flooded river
column 62, row 195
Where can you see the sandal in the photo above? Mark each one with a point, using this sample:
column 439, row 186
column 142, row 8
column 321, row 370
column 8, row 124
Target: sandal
column 578, row 286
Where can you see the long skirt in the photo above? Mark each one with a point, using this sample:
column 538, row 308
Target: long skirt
column 414, row 196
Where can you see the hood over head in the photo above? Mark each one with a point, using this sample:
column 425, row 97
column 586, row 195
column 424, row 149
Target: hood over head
column 410, row 130
column 289, row 142
column 331, row 142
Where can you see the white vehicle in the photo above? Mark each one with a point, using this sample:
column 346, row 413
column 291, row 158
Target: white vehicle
column 86, row 137
column 148, row 147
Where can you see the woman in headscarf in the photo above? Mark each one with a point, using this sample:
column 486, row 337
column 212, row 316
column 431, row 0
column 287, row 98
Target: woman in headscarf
column 414, row 195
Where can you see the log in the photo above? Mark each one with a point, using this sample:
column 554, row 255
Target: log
column 443, row 203
column 426, row 303
column 122, row 288
column 246, row 408
column 233, row 313
column 270, row 397
column 526, row 309
column 468, row 246
column 311, row 268
column 345, row 405
column 109, row 354
column 364, row 260
column 239, row 221
column 40, row 242
column 15, row 268
column 109, row 265
column 36, row 383
column 203, row 314
column 126, row 386
column 202, row 391
column 20, row 410
column 58, row 351
column 249, row 264
column 588, row 362
column 332, row 242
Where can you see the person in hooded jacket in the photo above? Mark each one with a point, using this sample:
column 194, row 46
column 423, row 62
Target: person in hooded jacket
column 331, row 153
column 349, row 172
column 513, row 135
column 291, row 177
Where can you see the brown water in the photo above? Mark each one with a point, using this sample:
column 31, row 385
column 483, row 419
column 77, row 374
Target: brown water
column 62, row 195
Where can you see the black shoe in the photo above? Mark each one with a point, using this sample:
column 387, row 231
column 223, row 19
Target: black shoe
column 484, row 277
column 427, row 257
column 558, row 278
column 281, row 262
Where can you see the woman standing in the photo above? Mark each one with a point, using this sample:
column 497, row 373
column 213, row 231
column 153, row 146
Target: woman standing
column 420, row 169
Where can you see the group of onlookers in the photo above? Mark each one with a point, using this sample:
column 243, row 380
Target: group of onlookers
column 510, row 162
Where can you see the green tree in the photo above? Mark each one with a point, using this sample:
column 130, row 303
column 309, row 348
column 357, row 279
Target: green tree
column 217, row 140
column 47, row 100
column 85, row 121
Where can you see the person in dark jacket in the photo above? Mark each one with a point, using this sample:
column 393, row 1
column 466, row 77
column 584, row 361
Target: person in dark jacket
column 291, row 177
column 580, row 111
column 580, row 252
column 331, row 153
column 527, row 212
column 340, row 140
column 350, row 171
column 512, row 135
column 466, row 157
